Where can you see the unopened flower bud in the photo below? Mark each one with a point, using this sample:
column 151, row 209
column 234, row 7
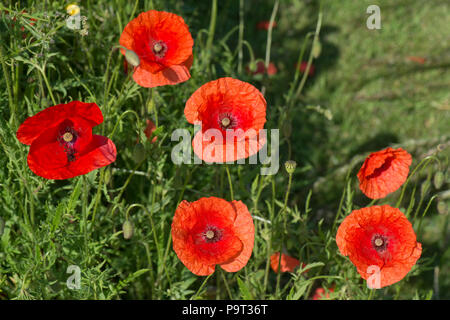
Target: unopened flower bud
column 442, row 207
column 132, row 58
column 438, row 179
column 290, row 166
column 127, row 229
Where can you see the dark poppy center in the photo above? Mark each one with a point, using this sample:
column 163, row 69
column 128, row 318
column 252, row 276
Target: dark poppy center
column 67, row 138
column 159, row 49
column 212, row 234
column 379, row 242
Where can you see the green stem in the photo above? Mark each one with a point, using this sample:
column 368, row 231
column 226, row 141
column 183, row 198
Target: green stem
column 226, row 284
column 201, row 287
column 8, row 86
column 241, row 35
column 229, row 182
column 212, row 28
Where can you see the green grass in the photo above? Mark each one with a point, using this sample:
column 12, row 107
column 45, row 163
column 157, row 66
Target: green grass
column 365, row 95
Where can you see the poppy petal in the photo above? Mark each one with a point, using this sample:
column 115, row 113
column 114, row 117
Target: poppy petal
column 48, row 159
column 245, row 230
column 33, row 126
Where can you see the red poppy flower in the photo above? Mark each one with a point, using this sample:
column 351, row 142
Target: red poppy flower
column 22, row 28
column 231, row 113
column 149, row 130
column 213, row 231
column 288, row 263
column 261, row 68
column 380, row 242
column 163, row 43
column 384, row 172
column 62, row 145
column 320, row 294
column 264, row 25
column 303, row 66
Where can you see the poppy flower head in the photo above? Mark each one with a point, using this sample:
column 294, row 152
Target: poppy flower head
column 288, row 263
column 224, row 107
column 261, row 69
column 384, row 172
column 380, row 242
column 264, row 25
column 61, row 142
column 212, row 231
column 149, row 130
column 302, row 68
column 321, row 294
column 163, row 44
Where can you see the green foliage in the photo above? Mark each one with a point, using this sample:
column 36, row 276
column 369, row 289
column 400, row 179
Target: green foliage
column 365, row 95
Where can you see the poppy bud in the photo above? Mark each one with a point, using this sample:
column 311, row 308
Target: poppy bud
column 424, row 188
column 442, row 207
column 139, row 152
column 438, row 179
column 317, row 49
column 127, row 229
column 132, row 58
column 107, row 177
column 290, row 166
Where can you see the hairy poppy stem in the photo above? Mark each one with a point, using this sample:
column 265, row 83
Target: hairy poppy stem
column 229, row 182
column 226, row 284
column 8, row 86
column 201, row 287
column 241, row 35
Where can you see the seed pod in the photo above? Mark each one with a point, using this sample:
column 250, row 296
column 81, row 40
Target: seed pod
column 127, row 229
column 438, row 179
column 132, row 58
column 290, row 166
column 139, row 152
column 442, row 207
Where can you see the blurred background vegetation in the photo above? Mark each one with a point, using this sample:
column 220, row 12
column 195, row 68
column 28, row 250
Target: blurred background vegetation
column 370, row 89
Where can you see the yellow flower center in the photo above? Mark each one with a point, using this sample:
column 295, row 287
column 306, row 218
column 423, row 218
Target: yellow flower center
column 210, row 234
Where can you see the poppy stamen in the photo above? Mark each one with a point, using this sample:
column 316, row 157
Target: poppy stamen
column 212, row 234
column 225, row 122
column 159, row 49
column 379, row 242
column 67, row 137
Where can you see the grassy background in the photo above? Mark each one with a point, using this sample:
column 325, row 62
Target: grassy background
column 366, row 94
